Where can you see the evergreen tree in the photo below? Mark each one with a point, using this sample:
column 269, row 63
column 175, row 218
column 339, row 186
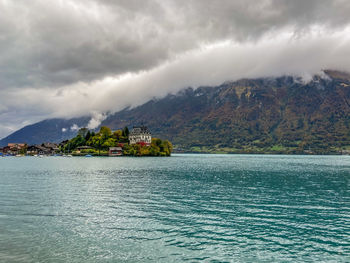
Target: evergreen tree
column 88, row 135
column 126, row 132
column 83, row 132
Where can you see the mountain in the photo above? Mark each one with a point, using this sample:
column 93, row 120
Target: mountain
column 278, row 115
column 252, row 115
column 53, row 130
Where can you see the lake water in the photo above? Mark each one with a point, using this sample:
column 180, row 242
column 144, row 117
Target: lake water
column 196, row 208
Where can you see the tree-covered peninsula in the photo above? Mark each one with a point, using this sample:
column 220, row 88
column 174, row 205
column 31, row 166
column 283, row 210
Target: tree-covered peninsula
column 100, row 144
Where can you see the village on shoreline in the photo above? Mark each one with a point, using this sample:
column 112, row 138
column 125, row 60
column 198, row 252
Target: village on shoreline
column 105, row 142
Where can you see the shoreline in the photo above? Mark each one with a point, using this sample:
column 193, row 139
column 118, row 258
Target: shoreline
column 177, row 153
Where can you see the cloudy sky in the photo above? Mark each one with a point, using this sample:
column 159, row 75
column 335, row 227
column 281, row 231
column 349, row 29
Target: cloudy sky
column 68, row 58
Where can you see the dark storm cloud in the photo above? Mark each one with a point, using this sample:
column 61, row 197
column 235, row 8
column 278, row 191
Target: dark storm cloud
column 60, row 42
column 88, row 52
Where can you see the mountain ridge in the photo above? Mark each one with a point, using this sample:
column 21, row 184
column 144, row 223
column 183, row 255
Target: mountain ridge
column 50, row 130
column 251, row 115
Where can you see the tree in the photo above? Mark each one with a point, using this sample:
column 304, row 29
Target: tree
column 74, row 143
column 83, row 132
column 157, row 141
column 137, row 149
column 118, row 134
column 97, row 142
column 110, row 142
column 168, row 147
column 88, row 135
column 126, row 132
column 105, row 132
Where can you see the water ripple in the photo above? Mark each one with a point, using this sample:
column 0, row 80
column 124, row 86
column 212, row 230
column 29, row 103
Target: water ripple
column 188, row 208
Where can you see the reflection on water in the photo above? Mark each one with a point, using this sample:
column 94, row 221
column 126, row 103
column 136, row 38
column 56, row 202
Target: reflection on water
column 212, row 208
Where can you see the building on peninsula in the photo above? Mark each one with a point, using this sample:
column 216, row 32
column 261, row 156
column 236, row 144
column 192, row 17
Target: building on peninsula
column 141, row 135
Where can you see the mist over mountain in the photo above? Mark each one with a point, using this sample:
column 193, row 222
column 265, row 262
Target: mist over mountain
column 241, row 116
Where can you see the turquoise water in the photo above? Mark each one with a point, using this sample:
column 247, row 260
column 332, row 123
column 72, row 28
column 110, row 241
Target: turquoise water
column 196, row 208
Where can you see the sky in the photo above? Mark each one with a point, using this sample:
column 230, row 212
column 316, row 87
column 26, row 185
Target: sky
column 72, row 58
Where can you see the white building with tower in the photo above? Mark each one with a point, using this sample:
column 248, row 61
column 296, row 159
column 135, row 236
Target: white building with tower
column 140, row 134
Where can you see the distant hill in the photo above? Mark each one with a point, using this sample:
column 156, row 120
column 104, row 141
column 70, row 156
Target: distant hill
column 53, row 130
column 278, row 115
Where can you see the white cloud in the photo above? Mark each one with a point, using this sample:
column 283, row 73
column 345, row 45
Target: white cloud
column 212, row 65
column 96, row 120
column 74, row 127
column 64, row 129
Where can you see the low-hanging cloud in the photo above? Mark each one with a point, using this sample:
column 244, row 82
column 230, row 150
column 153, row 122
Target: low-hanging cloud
column 96, row 119
column 76, row 58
